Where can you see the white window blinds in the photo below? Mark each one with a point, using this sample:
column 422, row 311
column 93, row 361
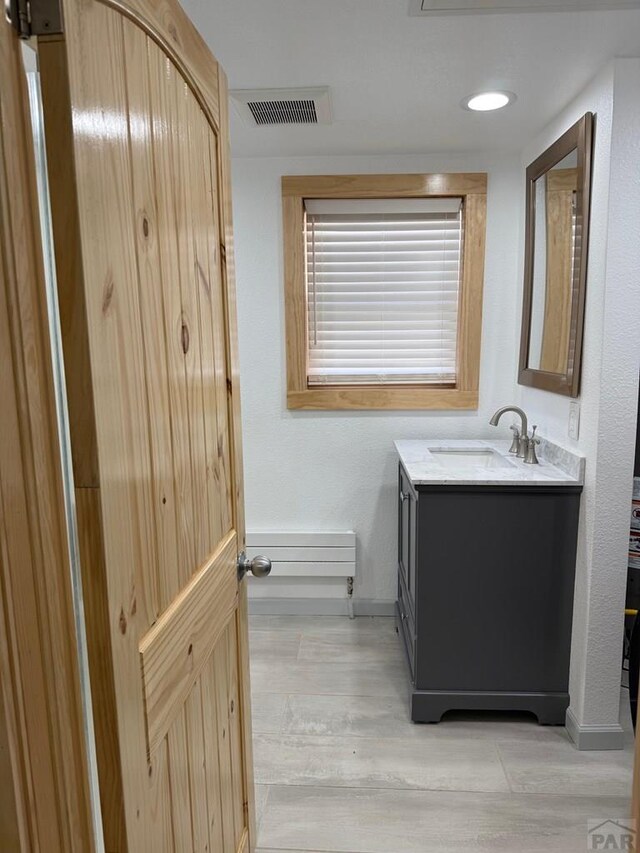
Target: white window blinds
column 383, row 278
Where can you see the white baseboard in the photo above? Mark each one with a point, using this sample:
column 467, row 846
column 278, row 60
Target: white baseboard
column 319, row 607
column 373, row 607
column 594, row 737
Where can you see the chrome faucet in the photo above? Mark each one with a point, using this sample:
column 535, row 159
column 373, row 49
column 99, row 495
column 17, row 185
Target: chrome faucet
column 522, row 445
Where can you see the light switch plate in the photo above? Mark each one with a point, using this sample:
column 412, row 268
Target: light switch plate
column 574, row 420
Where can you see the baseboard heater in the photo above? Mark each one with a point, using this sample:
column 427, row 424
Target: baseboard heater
column 307, row 565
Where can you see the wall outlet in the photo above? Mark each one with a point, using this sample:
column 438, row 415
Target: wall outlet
column 574, row 420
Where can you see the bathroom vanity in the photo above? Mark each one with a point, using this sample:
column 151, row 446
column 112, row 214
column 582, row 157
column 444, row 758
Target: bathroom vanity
column 486, row 566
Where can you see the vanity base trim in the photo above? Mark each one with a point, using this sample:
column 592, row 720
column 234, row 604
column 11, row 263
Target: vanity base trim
column 594, row 737
column 428, row 706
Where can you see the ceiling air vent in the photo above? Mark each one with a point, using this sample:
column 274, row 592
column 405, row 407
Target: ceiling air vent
column 269, row 107
column 479, row 7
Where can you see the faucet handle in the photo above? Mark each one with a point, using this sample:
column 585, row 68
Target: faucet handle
column 515, row 444
column 530, row 456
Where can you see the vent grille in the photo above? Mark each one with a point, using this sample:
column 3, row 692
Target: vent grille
column 272, row 107
column 283, row 112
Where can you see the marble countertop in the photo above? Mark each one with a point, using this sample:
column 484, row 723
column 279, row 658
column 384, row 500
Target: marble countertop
column 558, row 466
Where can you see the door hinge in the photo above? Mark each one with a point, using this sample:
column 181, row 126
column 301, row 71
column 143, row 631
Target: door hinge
column 35, row 17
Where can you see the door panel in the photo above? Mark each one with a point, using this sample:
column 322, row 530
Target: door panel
column 166, row 520
column 413, row 545
column 174, row 651
column 404, row 521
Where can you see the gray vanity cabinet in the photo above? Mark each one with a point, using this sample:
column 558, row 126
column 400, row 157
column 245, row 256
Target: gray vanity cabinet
column 485, row 596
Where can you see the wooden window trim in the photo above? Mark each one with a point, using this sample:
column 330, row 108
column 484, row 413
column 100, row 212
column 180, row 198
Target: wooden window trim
column 472, row 188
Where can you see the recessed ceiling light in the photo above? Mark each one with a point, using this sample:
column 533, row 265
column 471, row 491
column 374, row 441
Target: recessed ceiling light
column 486, row 101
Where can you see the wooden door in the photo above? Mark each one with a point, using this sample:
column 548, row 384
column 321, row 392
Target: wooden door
column 136, row 122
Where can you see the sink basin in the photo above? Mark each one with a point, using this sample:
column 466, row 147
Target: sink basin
column 470, row 458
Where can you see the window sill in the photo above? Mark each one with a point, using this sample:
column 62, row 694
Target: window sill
column 378, row 397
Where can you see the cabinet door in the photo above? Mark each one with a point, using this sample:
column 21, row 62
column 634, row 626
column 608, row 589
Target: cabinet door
column 406, row 535
column 412, row 513
column 486, row 589
column 403, row 525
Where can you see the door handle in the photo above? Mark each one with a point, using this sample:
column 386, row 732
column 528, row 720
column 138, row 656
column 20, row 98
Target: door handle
column 404, row 496
column 259, row 566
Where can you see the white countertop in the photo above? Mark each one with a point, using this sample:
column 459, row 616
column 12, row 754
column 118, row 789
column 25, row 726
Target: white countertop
column 423, row 467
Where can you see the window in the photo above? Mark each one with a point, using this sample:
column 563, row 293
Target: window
column 383, row 290
column 383, row 277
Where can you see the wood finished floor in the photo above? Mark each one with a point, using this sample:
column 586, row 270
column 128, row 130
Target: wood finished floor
column 340, row 768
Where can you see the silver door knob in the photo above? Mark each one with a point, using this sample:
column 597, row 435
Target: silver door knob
column 259, row 566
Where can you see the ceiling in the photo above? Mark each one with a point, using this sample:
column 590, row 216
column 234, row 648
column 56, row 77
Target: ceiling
column 397, row 81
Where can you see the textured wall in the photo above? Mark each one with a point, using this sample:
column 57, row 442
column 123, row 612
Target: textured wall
column 608, row 397
column 337, row 470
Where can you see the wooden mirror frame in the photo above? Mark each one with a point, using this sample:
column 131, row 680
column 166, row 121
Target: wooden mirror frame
column 579, row 137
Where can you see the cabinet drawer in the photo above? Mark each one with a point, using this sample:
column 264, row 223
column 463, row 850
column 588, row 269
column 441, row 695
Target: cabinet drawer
column 406, row 625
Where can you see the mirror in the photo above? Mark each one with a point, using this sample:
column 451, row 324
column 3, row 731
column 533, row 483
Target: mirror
column 558, row 195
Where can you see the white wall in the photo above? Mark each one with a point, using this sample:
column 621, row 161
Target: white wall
column 337, row 470
column 608, row 400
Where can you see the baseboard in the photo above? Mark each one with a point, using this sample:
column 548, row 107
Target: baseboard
column 594, row 737
column 373, row 607
column 319, row 607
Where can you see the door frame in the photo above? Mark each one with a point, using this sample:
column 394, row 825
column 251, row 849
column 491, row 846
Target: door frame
column 42, row 738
